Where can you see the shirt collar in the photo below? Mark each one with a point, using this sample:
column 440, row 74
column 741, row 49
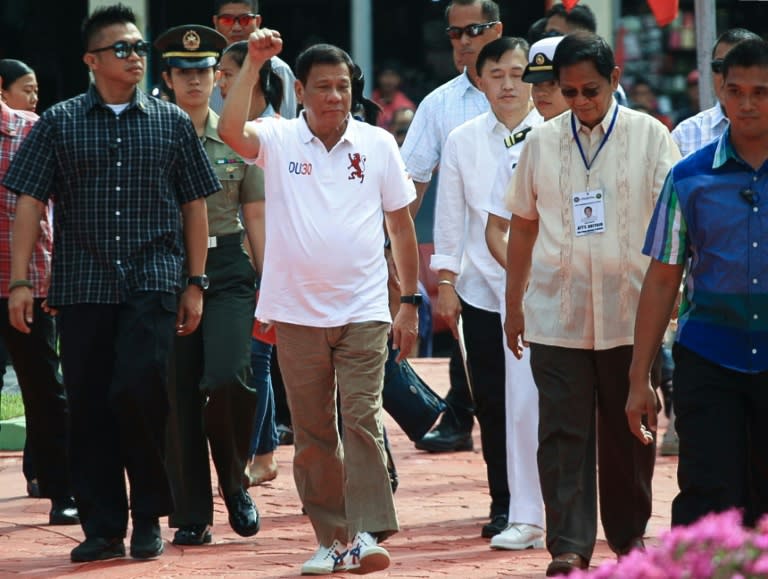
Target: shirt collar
column 725, row 151
column 11, row 121
column 493, row 124
column 306, row 135
column 464, row 84
column 605, row 123
column 718, row 115
column 93, row 99
column 211, row 124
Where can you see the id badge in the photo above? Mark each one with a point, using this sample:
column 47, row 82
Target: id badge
column 588, row 212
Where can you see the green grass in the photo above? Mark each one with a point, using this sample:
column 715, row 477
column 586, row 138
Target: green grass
column 11, row 406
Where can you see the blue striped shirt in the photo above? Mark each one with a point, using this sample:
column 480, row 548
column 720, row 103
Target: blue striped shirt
column 117, row 182
column 704, row 215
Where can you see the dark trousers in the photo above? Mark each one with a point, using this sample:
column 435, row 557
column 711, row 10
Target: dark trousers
column 582, row 395
column 115, row 362
column 210, row 397
column 485, row 358
column 36, row 363
column 459, row 399
column 723, row 439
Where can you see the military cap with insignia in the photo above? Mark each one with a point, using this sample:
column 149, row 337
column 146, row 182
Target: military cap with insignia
column 190, row 46
column 540, row 58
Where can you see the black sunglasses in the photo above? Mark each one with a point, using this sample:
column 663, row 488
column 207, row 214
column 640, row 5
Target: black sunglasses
column 230, row 19
column 473, row 30
column 123, row 48
column 588, row 92
column 717, row 65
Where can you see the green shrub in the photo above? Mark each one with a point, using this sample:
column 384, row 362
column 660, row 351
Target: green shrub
column 11, row 406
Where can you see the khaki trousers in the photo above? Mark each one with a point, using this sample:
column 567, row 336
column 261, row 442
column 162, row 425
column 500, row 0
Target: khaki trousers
column 342, row 481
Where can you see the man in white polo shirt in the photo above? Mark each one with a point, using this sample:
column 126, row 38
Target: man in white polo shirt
column 332, row 182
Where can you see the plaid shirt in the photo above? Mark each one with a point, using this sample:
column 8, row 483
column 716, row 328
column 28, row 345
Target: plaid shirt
column 14, row 127
column 117, row 182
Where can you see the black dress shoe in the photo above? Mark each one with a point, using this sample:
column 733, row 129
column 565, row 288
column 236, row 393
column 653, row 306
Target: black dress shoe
column 192, row 535
column 636, row 543
column 497, row 525
column 63, row 512
column 446, row 438
column 98, row 549
column 146, row 540
column 564, row 563
column 243, row 514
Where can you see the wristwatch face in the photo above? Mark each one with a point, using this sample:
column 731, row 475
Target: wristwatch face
column 200, row 281
column 414, row 299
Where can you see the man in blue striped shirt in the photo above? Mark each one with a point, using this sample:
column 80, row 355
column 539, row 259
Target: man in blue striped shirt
column 712, row 220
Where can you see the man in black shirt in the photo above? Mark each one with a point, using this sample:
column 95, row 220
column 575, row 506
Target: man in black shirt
column 128, row 177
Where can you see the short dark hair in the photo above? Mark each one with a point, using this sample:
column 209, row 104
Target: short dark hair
column 580, row 16
column 495, row 49
column 746, row 53
column 269, row 81
column 489, row 8
column 321, row 54
column 105, row 17
column 733, row 36
column 254, row 4
column 583, row 46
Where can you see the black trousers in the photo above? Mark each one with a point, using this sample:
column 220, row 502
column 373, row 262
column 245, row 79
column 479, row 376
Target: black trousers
column 115, row 362
column 582, row 395
column 723, row 439
column 36, row 363
column 485, row 358
column 210, row 397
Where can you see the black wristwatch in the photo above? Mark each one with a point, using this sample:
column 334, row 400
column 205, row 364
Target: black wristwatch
column 200, row 281
column 413, row 299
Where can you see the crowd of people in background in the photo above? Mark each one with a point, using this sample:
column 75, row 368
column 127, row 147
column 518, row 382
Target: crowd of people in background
column 194, row 276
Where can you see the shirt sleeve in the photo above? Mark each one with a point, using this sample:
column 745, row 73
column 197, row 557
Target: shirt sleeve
column 398, row 190
column 421, row 149
column 33, row 169
column 195, row 176
column 520, row 195
column 266, row 130
column 450, row 212
column 252, row 186
column 665, row 237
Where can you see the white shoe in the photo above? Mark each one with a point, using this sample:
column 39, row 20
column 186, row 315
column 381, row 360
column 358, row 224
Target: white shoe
column 326, row 560
column 519, row 536
column 366, row 556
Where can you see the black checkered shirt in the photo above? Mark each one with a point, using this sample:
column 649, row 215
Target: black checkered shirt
column 117, row 183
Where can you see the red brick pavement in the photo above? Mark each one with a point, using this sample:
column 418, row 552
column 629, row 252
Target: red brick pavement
column 442, row 503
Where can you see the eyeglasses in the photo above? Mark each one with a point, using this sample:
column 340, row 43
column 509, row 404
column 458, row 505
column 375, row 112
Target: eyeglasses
column 243, row 20
column 473, row 30
column 588, row 92
column 717, row 65
column 124, row 49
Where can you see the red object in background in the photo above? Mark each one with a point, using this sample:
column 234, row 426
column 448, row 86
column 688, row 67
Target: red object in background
column 665, row 11
column 569, row 4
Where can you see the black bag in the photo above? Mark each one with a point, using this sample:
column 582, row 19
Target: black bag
column 408, row 399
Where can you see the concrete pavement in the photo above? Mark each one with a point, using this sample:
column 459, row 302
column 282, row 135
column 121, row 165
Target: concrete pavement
column 442, row 503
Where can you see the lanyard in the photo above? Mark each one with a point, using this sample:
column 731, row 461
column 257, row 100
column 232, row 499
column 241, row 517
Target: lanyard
column 588, row 164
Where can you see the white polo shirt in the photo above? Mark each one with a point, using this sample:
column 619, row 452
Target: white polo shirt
column 471, row 158
column 324, row 257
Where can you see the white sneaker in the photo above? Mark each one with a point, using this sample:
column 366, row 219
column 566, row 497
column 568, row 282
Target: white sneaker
column 519, row 536
column 366, row 556
column 326, row 560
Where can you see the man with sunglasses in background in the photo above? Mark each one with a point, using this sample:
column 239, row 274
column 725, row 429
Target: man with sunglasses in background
column 128, row 175
column 693, row 133
column 236, row 19
column 572, row 291
column 471, row 25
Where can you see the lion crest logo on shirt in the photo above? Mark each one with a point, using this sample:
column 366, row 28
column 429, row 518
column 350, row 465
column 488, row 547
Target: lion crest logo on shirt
column 357, row 165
